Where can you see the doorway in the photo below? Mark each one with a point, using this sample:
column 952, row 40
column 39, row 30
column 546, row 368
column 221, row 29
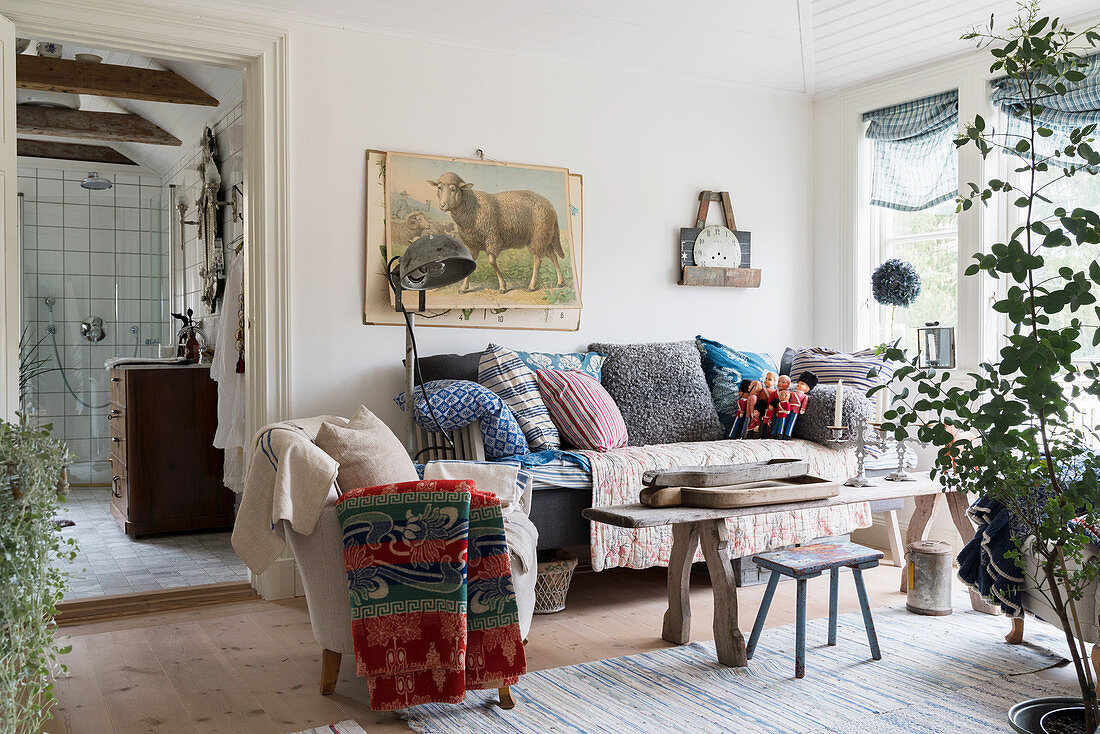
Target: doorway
column 258, row 54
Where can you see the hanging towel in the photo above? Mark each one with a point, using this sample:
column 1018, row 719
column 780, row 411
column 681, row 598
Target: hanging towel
column 230, row 434
column 432, row 605
column 289, row 478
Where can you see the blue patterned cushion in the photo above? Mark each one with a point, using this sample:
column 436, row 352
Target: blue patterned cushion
column 590, row 363
column 459, row 403
column 502, row 371
column 725, row 368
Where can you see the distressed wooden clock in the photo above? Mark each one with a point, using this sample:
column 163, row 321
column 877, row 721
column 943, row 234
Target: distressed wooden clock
column 717, row 255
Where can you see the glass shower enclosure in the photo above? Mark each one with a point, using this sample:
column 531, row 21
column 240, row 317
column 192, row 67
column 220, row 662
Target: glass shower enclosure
column 95, row 286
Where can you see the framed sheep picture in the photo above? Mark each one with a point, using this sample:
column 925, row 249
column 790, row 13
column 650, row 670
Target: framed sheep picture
column 514, row 219
column 378, row 303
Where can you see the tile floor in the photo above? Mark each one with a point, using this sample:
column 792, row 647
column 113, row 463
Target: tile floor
column 111, row 562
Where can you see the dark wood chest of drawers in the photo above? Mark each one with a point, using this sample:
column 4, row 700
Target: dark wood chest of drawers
column 167, row 475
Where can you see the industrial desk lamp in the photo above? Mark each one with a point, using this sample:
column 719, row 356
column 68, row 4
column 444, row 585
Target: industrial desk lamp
column 433, row 261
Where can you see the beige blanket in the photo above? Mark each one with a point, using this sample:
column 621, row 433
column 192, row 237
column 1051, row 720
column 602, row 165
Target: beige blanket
column 289, row 479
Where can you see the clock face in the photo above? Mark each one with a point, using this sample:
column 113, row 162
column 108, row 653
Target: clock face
column 717, row 246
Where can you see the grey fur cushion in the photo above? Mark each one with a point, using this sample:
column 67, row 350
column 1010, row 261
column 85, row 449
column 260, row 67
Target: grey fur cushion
column 661, row 391
column 813, row 424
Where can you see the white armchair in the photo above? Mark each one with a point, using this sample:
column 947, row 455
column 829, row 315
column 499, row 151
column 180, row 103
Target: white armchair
column 320, row 560
column 1035, row 602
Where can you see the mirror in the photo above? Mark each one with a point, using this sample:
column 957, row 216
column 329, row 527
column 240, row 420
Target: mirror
column 936, row 346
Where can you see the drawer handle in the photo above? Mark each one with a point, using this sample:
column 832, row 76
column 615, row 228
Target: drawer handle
column 115, row 413
column 116, row 379
column 114, row 486
column 116, row 439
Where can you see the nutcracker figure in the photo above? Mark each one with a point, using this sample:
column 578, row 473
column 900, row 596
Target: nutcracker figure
column 779, row 407
column 749, row 389
column 800, row 398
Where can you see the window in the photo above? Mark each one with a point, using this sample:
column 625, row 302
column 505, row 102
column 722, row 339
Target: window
column 929, row 240
column 912, row 171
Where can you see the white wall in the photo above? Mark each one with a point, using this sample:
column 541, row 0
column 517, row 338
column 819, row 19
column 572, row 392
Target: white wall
column 645, row 147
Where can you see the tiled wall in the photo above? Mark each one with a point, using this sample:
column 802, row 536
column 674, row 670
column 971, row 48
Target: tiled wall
column 98, row 253
column 186, row 261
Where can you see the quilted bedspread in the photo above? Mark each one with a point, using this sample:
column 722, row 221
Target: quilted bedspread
column 617, row 480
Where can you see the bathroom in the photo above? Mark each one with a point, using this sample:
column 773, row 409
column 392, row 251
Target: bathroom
column 111, row 247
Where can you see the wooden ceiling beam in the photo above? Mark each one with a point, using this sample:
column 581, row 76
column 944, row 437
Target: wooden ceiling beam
column 106, row 80
column 70, row 152
column 109, row 126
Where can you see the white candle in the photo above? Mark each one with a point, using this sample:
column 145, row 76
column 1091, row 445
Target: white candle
column 838, row 410
column 881, row 406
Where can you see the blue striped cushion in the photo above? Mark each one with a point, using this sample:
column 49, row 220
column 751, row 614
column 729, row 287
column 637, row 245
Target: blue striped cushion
column 831, row 366
column 502, row 371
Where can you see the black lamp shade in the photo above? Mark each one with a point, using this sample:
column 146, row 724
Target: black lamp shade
column 434, row 261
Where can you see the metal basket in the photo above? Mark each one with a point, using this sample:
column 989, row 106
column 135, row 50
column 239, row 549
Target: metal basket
column 552, row 583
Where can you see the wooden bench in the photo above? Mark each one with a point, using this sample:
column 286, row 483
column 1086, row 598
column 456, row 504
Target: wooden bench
column 692, row 526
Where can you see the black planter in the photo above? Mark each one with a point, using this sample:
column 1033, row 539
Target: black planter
column 1025, row 716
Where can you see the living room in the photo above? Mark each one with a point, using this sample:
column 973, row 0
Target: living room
column 733, row 219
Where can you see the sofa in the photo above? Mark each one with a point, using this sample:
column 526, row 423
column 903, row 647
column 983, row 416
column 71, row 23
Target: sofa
column 566, row 485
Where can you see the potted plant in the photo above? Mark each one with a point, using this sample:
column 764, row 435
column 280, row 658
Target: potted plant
column 1022, row 435
column 31, row 582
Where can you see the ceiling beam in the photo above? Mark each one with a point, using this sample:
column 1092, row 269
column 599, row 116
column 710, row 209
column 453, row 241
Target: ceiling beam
column 110, row 126
column 106, row 80
column 70, row 152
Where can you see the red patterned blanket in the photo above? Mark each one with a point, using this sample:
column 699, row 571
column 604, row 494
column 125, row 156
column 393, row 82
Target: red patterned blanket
column 433, row 609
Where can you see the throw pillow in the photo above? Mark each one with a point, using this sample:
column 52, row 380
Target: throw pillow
column 724, row 368
column 585, row 414
column 458, row 403
column 367, row 451
column 448, row 367
column 502, row 371
column 787, row 360
column 661, row 392
column 509, row 482
column 590, row 363
column 830, row 366
column 812, row 425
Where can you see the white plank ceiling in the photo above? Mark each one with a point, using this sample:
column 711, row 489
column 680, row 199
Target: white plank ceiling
column 800, row 46
column 184, row 121
column 855, row 41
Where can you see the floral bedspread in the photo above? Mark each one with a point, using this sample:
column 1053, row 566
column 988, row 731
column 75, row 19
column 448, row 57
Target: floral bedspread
column 617, row 480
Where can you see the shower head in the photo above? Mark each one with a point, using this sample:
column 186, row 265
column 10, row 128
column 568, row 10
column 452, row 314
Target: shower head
column 95, row 182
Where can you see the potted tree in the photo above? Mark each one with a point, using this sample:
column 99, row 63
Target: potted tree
column 1027, row 444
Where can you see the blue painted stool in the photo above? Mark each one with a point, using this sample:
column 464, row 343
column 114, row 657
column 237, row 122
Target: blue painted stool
column 808, row 562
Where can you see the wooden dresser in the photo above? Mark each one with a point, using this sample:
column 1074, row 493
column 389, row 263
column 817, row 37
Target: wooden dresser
column 167, row 475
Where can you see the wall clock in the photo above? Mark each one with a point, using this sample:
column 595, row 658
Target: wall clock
column 717, row 246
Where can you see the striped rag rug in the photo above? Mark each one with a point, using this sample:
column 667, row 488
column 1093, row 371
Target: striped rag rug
column 344, row 727
column 433, row 609
column 930, row 664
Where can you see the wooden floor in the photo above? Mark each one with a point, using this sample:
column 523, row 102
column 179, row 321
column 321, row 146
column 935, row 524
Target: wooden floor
column 254, row 667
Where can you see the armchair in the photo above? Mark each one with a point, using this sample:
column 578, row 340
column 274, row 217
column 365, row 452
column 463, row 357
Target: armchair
column 320, row 560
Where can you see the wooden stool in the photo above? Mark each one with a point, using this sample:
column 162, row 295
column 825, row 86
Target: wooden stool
column 806, row 563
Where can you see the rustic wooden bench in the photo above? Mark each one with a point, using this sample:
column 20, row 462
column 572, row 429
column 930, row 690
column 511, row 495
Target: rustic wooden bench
column 692, row 526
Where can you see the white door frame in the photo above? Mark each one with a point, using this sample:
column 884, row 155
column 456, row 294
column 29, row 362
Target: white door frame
column 260, row 51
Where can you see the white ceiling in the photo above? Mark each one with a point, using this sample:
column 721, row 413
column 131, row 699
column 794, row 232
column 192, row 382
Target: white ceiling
column 800, row 46
column 184, row 121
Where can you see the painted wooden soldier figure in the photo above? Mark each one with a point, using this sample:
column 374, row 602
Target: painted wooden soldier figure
column 800, row 399
column 748, row 391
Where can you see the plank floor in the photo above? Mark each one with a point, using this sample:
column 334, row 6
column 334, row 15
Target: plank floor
column 254, row 667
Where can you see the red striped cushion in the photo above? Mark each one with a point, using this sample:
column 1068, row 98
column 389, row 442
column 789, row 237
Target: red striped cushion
column 586, row 415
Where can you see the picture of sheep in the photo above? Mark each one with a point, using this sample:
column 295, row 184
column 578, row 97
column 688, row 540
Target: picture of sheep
column 496, row 222
column 515, row 220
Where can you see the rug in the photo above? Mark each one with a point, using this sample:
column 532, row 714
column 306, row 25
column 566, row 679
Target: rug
column 344, row 727
column 928, row 662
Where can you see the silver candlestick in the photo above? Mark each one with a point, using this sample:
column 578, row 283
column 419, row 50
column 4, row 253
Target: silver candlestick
column 857, row 433
column 900, row 474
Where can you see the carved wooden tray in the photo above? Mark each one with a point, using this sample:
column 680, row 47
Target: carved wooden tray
column 748, row 494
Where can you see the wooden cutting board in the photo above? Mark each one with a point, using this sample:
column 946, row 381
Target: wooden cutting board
column 748, row 494
column 724, row 475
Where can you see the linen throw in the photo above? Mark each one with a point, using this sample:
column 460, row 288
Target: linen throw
column 432, row 605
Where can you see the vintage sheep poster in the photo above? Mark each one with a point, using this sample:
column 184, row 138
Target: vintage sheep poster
column 514, row 219
column 377, row 301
